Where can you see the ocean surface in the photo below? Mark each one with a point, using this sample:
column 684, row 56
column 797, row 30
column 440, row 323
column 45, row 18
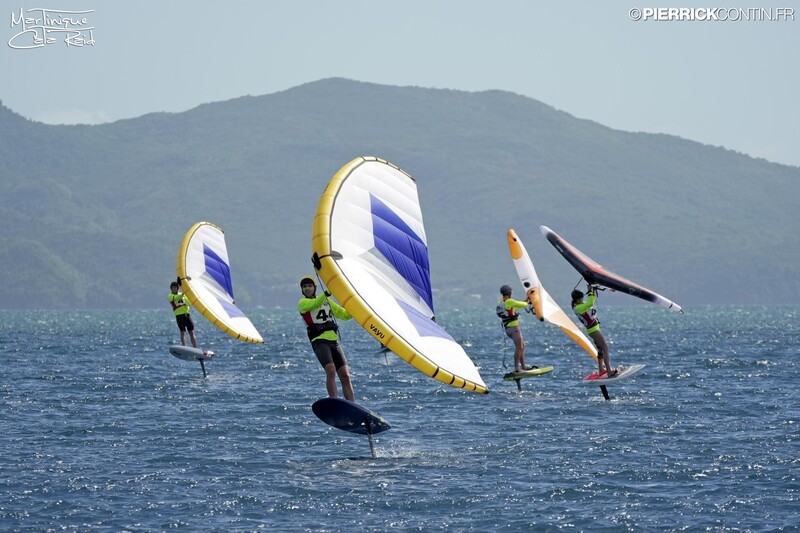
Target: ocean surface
column 103, row 430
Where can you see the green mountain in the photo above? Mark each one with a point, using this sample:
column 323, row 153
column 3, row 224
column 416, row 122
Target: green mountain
column 93, row 215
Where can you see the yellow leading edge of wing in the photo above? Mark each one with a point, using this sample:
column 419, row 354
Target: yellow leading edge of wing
column 545, row 307
column 245, row 330
column 534, row 296
column 337, row 283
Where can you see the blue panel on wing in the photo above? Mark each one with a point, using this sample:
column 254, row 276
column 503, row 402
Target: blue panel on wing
column 423, row 324
column 402, row 248
column 218, row 269
column 231, row 309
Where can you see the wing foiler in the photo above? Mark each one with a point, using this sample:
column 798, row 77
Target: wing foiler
column 594, row 273
column 205, row 274
column 370, row 249
column 543, row 304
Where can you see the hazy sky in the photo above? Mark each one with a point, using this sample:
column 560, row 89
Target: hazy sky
column 731, row 83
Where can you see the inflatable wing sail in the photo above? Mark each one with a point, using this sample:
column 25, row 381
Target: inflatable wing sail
column 371, row 251
column 205, row 274
column 543, row 304
column 593, row 272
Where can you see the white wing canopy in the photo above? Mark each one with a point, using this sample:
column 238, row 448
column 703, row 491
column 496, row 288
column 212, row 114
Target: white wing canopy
column 205, row 273
column 370, row 240
column 546, row 308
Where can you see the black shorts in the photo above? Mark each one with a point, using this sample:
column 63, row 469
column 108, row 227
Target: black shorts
column 329, row 352
column 184, row 322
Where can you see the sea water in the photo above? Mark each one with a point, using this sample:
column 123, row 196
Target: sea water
column 103, row 430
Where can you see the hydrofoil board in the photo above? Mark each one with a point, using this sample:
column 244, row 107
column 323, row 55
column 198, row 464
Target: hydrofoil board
column 528, row 373
column 601, row 379
column 349, row 416
column 188, row 353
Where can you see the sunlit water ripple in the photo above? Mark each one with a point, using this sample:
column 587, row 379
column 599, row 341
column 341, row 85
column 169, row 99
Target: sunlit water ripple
column 103, row 430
